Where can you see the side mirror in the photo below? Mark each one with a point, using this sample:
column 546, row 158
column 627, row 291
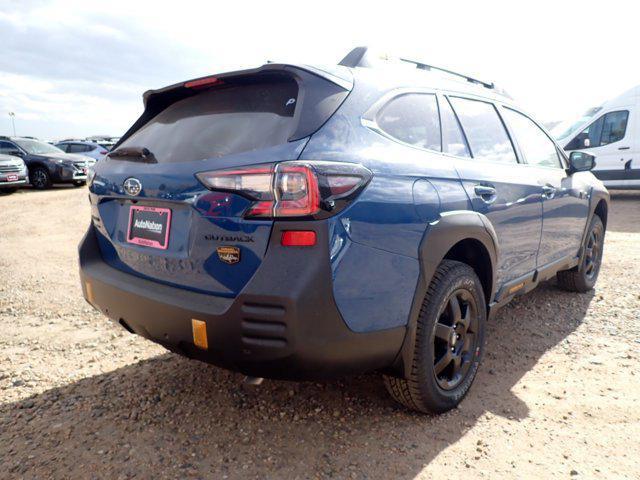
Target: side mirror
column 15, row 153
column 581, row 162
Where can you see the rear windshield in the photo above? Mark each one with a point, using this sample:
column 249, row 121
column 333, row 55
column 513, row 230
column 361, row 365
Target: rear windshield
column 221, row 121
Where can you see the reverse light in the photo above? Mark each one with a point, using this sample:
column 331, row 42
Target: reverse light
column 297, row 189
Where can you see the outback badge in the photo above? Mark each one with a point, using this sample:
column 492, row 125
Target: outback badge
column 229, row 255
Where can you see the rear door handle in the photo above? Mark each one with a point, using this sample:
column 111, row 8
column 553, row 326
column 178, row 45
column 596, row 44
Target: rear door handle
column 548, row 191
column 623, row 148
column 486, row 193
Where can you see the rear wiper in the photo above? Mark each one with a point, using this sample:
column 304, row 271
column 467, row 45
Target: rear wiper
column 141, row 154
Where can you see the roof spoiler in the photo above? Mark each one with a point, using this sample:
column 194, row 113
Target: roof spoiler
column 363, row 57
column 156, row 101
column 342, row 81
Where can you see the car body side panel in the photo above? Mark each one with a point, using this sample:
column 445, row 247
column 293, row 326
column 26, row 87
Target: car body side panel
column 374, row 288
column 377, row 265
column 565, row 213
column 515, row 214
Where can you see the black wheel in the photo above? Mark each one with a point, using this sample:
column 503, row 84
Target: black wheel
column 40, row 178
column 449, row 342
column 79, row 183
column 583, row 277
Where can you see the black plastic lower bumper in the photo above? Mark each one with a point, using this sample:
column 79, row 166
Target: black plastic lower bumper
column 284, row 324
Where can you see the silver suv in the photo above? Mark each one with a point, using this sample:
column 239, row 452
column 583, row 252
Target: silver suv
column 13, row 173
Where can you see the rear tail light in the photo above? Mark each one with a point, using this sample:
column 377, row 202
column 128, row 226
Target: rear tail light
column 297, row 189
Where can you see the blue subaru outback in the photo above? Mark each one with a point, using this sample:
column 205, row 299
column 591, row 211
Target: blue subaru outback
column 294, row 222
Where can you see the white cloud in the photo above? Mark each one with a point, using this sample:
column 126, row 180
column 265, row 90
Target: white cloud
column 82, row 66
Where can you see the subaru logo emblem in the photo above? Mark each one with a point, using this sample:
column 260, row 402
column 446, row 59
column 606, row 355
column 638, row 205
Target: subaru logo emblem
column 132, row 186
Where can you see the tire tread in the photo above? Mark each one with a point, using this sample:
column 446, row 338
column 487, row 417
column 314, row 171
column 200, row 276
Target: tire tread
column 573, row 280
column 406, row 391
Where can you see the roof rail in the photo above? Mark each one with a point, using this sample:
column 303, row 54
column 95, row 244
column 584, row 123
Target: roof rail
column 362, row 57
column 425, row 66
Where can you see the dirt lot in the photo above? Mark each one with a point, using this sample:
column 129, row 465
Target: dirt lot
column 557, row 395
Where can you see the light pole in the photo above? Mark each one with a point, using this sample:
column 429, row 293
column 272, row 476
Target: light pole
column 13, row 122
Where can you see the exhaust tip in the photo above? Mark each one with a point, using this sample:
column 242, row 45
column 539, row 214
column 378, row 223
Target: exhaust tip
column 252, row 381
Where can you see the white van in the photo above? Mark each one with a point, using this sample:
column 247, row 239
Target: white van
column 611, row 132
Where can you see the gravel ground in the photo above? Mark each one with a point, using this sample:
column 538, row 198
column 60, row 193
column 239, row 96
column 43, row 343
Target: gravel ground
column 557, row 394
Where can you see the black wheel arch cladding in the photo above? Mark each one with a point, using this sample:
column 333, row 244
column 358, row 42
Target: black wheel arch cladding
column 438, row 240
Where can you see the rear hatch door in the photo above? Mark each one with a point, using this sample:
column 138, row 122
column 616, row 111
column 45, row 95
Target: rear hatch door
column 156, row 220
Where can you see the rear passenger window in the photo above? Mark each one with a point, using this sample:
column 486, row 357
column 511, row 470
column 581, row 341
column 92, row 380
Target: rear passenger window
column 453, row 141
column 536, row 146
column 485, row 132
column 412, row 118
column 74, row 148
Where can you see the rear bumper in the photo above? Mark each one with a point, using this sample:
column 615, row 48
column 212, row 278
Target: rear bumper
column 284, row 324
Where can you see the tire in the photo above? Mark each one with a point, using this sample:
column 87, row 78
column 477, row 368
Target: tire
column 584, row 277
column 79, row 183
column 425, row 390
column 39, row 178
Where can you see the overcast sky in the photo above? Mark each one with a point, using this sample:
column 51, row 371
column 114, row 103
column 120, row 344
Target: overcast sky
column 77, row 68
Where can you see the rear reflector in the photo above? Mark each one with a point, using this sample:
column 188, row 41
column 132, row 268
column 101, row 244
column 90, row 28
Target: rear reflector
column 199, row 334
column 298, row 238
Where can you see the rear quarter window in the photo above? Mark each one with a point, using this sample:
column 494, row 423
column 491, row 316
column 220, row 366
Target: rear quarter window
column 412, row 118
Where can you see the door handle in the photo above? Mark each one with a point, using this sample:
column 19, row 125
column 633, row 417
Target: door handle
column 623, row 148
column 486, row 193
column 548, row 191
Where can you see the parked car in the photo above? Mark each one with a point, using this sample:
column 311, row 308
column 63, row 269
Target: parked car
column 610, row 132
column 89, row 149
column 296, row 222
column 47, row 164
column 13, row 173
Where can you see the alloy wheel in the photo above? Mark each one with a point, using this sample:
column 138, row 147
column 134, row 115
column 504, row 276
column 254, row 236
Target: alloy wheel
column 455, row 339
column 39, row 179
column 593, row 253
